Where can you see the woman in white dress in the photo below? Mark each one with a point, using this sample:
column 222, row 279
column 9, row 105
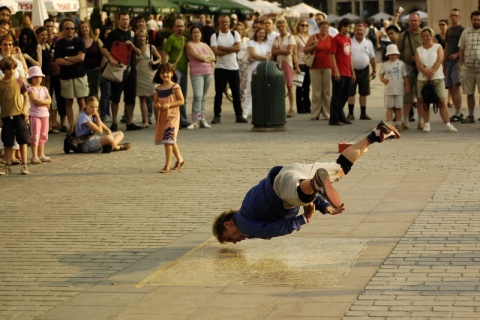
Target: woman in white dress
column 258, row 51
column 145, row 61
column 429, row 61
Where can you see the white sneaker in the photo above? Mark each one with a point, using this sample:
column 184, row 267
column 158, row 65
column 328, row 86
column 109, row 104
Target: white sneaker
column 192, row 126
column 25, row 169
column 204, row 124
column 426, row 127
column 451, row 128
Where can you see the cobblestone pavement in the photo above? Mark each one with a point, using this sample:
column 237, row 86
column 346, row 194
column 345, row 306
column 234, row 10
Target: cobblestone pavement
column 73, row 225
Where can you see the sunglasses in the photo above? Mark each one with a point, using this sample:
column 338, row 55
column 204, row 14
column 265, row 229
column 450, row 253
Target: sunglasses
column 304, row 25
column 441, row 25
column 69, row 28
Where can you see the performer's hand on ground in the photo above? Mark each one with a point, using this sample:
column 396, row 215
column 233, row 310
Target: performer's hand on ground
column 333, row 211
column 308, row 210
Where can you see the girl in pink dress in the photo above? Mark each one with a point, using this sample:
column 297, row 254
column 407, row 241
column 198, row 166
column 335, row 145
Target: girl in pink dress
column 168, row 98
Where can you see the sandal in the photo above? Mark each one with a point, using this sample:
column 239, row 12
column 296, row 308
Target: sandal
column 455, row 118
column 45, row 159
column 166, row 169
column 124, row 146
column 145, row 125
column 178, row 165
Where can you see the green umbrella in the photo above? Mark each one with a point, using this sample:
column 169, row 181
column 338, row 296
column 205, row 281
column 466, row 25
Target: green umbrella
column 229, row 7
column 141, row 6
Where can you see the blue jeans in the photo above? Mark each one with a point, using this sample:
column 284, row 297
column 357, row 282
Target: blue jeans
column 105, row 97
column 182, row 81
column 200, row 85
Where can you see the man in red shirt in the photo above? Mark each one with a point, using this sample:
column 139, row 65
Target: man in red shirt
column 342, row 73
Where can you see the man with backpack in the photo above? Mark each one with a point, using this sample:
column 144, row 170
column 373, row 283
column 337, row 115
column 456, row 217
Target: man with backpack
column 225, row 44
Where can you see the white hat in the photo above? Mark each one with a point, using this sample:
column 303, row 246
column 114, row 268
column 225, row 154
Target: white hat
column 234, row 16
column 392, row 49
column 35, row 71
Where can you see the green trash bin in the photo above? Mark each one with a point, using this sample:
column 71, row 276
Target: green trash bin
column 268, row 98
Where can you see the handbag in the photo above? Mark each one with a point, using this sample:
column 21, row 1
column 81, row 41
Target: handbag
column 309, row 58
column 298, row 79
column 430, row 96
column 155, row 65
column 116, row 73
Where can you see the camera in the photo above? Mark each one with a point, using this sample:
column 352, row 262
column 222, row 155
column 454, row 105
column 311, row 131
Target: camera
column 400, row 10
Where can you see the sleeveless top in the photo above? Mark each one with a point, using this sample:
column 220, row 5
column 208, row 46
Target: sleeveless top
column 93, row 56
column 46, row 60
column 428, row 57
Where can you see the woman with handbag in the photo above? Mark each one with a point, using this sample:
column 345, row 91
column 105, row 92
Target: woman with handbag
column 284, row 49
column 320, row 71
column 303, row 92
column 93, row 57
column 258, row 51
column 147, row 64
column 429, row 62
column 200, row 57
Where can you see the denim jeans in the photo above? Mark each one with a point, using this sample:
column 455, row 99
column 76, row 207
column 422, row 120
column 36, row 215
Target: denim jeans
column 200, row 85
column 182, row 81
column 105, row 97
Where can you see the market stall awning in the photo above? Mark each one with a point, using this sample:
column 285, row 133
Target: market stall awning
column 229, row 7
column 141, row 6
column 51, row 5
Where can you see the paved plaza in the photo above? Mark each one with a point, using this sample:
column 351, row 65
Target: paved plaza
column 105, row 236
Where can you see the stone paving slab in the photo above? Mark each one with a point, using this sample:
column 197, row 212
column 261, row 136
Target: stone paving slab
column 81, row 235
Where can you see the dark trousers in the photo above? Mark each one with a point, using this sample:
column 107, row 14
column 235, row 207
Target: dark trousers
column 222, row 76
column 339, row 98
column 302, row 95
column 56, row 87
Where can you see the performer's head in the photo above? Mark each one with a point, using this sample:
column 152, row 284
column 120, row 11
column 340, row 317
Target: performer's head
column 225, row 229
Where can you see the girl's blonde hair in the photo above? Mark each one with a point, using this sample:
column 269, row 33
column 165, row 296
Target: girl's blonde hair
column 144, row 32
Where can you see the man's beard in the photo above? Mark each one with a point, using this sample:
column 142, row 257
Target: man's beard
column 476, row 26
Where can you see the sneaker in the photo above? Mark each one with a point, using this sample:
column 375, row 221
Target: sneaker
column 321, row 183
column 451, row 128
column 5, row 171
column 216, row 119
column 204, row 124
column 114, row 127
column 350, row 117
column 426, row 127
column 107, row 118
column 35, row 161
column 386, row 131
column 24, row 169
column 133, row 127
column 241, row 119
column 45, row 159
column 193, row 126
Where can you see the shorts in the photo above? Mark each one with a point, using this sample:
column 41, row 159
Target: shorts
column 74, row 88
column 452, row 73
column 15, row 127
column 393, row 101
column 470, row 78
column 362, row 79
column 92, row 145
column 288, row 73
column 288, row 179
column 128, row 87
column 412, row 80
column 439, row 85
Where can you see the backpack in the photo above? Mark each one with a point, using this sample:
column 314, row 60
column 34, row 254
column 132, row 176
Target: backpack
column 430, row 96
column 372, row 36
column 72, row 143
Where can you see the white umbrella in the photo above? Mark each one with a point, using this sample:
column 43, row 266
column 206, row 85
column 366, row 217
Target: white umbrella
column 333, row 18
column 251, row 5
column 291, row 13
column 423, row 16
column 305, row 9
column 268, row 7
column 350, row 16
column 12, row 5
column 381, row 16
column 39, row 13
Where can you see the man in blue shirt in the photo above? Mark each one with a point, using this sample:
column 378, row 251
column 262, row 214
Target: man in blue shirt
column 270, row 209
